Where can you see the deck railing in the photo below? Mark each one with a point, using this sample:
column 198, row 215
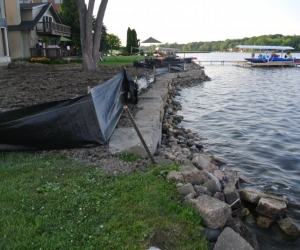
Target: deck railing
column 45, row 52
column 50, row 28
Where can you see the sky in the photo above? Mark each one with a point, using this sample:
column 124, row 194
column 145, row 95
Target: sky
column 185, row 21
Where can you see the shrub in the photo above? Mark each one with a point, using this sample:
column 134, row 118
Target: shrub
column 21, row 59
column 78, row 60
column 57, row 61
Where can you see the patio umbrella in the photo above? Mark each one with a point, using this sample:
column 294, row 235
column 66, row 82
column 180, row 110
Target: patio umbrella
column 151, row 40
column 64, row 39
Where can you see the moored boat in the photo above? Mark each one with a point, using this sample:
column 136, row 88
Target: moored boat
column 267, row 55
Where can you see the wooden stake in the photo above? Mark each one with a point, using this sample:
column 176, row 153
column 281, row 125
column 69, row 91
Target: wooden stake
column 139, row 134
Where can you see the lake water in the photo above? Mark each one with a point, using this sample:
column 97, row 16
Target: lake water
column 250, row 118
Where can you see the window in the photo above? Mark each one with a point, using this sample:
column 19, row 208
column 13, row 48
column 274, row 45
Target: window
column 57, row 1
column 47, row 20
column 2, row 14
column 3, row 48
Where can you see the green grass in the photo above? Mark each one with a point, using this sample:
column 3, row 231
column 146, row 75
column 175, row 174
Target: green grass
column 128, row 157
column 51, row 202
column 121, row 60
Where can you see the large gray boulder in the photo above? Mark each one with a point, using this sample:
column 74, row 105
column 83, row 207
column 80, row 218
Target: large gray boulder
column 232, row 197
column 230, row 240
column 201, row 161
column 214, row 213
column 237, row 225
column 192, row 175
column 213, row 186
column 253, row 196
column 185, row 190
column 270, row 207
column 175, row 176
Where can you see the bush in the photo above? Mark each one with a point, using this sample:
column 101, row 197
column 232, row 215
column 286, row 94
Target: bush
column 57, row 61
column 21, row 59
column 78, row 60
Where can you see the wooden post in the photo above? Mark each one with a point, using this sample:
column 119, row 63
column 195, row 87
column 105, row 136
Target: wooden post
column 139, row 134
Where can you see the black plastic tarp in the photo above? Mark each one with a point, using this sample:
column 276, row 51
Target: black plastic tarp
column 85, row 121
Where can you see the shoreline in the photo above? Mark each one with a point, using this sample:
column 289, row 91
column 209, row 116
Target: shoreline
column 178, row 144
column 265, row 219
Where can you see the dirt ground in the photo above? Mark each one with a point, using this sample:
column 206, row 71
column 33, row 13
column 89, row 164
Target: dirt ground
column 23, row 84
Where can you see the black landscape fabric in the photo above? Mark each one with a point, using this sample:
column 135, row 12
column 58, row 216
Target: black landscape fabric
column 85, row 121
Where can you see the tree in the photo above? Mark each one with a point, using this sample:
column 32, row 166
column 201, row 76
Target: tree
column 129, row 40
column 70, row 17
column 113, row 42
column 135, row 42
column 103, row 41
column 132, row 42
column 90, row 42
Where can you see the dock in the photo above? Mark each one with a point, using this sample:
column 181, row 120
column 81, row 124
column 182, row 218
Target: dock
column 266, row 64
column 249, row 64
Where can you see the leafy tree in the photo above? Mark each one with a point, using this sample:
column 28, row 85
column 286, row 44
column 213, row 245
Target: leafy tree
column 228, row 44
column 90, row 42
column 70, row 17
column 113, row 42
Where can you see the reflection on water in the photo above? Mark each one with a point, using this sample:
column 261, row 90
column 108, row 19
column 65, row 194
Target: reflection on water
column 251, row 119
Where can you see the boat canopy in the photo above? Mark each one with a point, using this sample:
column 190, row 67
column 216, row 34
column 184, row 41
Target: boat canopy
column 166, row 49
column 265, row 47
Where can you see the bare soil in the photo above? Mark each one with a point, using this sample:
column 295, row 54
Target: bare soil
column 23, row 84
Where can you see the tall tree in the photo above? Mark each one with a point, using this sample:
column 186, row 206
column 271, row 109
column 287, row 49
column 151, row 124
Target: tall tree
column 90, row 42
column 104, row 41
column 132, row 42
column 135, row 41
column 129, row 40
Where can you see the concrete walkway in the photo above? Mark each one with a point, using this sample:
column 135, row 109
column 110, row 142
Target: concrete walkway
column 149, row 118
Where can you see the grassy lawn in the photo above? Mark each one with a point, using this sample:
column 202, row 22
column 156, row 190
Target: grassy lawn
column 51, row 202
column 121, row 60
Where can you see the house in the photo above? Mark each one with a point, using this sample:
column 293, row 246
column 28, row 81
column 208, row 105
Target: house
column 34, row 29
column 56, row 3
column 4, row 49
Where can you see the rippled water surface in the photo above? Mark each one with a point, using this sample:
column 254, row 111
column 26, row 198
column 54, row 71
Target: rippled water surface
column 250, row 117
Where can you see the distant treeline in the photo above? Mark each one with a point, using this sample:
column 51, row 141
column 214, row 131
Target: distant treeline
column 230, row 44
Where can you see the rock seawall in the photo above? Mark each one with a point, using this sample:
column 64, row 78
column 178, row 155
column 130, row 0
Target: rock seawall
column 203, row 180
